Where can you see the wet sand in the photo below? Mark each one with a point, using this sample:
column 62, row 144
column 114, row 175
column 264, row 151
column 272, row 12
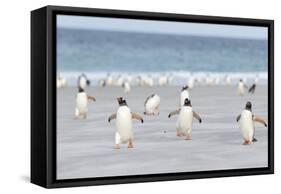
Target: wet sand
column 85, row 148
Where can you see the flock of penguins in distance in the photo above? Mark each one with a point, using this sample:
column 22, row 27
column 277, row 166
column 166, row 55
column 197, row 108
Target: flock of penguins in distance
column 124, row 116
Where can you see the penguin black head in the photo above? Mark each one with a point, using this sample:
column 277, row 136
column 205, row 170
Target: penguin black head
column 185, row 87
column 121, row 101
column 248, row 106
column 240, row 80
column 80, row 90
column 187, row 102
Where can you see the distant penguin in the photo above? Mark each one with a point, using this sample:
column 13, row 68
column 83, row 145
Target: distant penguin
column 185, row 119
column 217, row 81
column 149, row 81
column 241, row 88
column 184, row 94
column 152, row 105
column 190, row 83
column 83, row 81
column 102, row 82
column 246, row 124
column 228, row 80
column 210, row 81
column 252, row 89
column 256, row 80
column 124, row 125
column 127, row 87
column 170, row 78
column 82, row 98
column 61, row 82
column 109, row 80
column 163, row 80
column 119, row 81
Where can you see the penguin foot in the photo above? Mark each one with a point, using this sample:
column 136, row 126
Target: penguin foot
column 247, row 143
column 179, row 134
column 188, row 138
column 130, row 145
column 117, row 146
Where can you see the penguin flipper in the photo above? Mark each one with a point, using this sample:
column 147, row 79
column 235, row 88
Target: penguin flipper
column 91, row 98
column 113, row 116
column 238, row 118
column 259, row 120
column 196, row 115
column 174, row 113
column 137, row 116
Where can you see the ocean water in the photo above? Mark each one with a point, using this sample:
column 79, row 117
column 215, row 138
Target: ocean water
column 97, row 53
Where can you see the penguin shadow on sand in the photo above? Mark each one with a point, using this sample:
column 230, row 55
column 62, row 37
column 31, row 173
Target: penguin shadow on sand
column 185, row 119
column 82, row 98
column 246, row 122
column 124, row 125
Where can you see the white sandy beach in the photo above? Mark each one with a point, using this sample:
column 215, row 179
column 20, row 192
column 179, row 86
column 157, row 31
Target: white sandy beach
column 85, row 148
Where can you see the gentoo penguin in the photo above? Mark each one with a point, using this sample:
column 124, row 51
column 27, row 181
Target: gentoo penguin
column 191, row 83
column 149, row 81
column 163, row 80
column 61, row 82
column 246, row 124
column 184, row 94
column 124, row 124
column 109, row 80
column 83, row 81
column 241, row 88
column 102, row 82
column 127, row 87
column 252, row 89
column 184, row 123
column 151, row 105
column 119, row 81
column 170, row 78
column 257, row 80
column 82, row 98
column 228, row 80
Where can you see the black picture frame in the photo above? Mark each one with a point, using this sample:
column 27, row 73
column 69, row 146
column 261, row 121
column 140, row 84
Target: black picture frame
column 43, row 96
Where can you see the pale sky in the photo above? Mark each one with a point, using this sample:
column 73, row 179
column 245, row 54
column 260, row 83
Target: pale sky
column 164, row 27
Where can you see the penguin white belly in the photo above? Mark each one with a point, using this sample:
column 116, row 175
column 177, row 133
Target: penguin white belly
column 246, row 125
column 152, row 105
column 184, row 95
column 240, row 89
column 82, row 102
column 83, row 82
column 184, row 124
column 124, row 124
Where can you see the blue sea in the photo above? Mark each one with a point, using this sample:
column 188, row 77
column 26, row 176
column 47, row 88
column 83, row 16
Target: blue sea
column 97, row 53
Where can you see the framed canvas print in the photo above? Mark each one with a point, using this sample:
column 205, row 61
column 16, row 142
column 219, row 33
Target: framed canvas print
column 126, row 96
